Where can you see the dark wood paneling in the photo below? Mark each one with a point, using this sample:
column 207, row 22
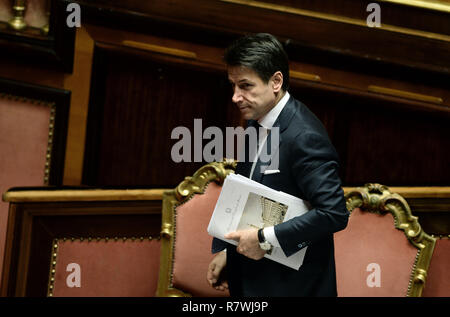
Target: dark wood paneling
column 383, row 139
column 415, row 18
column 433, row 213
column 139, row 97
column 333, row 43
column 135, row 104
column 395, row 147
column 391, row 141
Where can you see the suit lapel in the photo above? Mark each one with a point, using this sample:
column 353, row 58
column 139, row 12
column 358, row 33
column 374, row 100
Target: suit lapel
column 243, row 168
column 282, row 122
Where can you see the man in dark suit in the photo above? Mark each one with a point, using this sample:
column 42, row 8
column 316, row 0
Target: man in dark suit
column 307, row 168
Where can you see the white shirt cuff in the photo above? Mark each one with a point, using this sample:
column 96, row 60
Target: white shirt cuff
column 269, row 234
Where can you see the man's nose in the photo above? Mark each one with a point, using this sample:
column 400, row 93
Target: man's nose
column 237, row 96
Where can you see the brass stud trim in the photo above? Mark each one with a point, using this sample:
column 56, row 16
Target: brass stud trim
column 51, row 126
column 54, row 253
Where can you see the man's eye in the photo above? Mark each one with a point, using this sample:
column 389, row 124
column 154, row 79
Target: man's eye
column 244, row 86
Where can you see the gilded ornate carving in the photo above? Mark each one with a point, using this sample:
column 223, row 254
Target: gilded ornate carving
column 190, row 186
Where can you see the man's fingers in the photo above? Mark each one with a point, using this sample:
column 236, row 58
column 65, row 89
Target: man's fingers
column 233, row 236
column 212, row 275
column 222, row 287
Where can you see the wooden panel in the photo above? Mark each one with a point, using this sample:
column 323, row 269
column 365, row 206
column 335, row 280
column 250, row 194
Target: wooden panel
column 79, row 84
column 392, row 50
column 407, row 149
column 425, row 18
column 136, row 102
column 433, row 213
column 377, row 140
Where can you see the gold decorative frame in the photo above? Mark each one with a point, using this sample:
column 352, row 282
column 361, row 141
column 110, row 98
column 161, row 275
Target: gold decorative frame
column 215, row 171
column 377, row 198
column 54, row 254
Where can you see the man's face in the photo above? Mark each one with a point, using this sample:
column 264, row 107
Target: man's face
column 253, row 97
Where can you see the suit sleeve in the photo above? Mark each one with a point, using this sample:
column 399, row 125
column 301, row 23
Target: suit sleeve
column 218, row 245
column 314, row 163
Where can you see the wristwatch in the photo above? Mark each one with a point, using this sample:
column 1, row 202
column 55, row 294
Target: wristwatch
column 263, row 243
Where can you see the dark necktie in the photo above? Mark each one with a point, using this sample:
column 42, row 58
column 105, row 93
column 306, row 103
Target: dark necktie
column 244, row 167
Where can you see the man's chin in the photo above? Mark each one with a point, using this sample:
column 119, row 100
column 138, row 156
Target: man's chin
column 247, row 115
column 246, row 118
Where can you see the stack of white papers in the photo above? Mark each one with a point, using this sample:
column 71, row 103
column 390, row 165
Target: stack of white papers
column 244, row 203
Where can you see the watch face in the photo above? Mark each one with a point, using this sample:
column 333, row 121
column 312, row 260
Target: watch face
column 266, row 246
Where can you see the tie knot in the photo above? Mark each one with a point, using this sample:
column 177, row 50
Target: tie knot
column 254, row 124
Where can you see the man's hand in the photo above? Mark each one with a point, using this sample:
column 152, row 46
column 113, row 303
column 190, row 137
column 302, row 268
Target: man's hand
column 248, row 243
column 215, row 269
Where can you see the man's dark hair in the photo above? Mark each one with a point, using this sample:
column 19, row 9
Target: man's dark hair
column 262, row 53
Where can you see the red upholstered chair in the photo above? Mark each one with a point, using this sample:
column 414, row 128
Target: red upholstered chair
column 32, row 141
column 104, row 268
column 185, row 242
column 24, row 135
column 383, row 251
column 57, row 242
column 438, row 280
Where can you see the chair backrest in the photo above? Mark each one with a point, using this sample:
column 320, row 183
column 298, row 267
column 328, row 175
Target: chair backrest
column 438, row 277
column 104, row 267
column 185, row 242
column 383, row 251
column 27, row 146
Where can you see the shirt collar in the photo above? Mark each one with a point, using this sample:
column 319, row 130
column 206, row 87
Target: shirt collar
column 269, row 119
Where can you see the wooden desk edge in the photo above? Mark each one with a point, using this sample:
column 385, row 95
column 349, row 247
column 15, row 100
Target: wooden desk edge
column 157, row 194
column 83, row 195
column 415, row 192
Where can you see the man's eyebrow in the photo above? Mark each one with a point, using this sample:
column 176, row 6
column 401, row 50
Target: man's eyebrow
column 241, row 81
column 245, row 80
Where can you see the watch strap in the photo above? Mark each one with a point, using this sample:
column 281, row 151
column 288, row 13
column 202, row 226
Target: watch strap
column 261, row 237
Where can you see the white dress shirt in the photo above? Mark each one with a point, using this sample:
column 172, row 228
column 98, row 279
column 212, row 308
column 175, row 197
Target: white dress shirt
column 267, row 123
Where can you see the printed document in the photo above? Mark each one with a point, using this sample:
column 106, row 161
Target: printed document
column 244, row 203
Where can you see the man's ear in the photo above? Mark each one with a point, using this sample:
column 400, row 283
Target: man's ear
column 277, row 81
